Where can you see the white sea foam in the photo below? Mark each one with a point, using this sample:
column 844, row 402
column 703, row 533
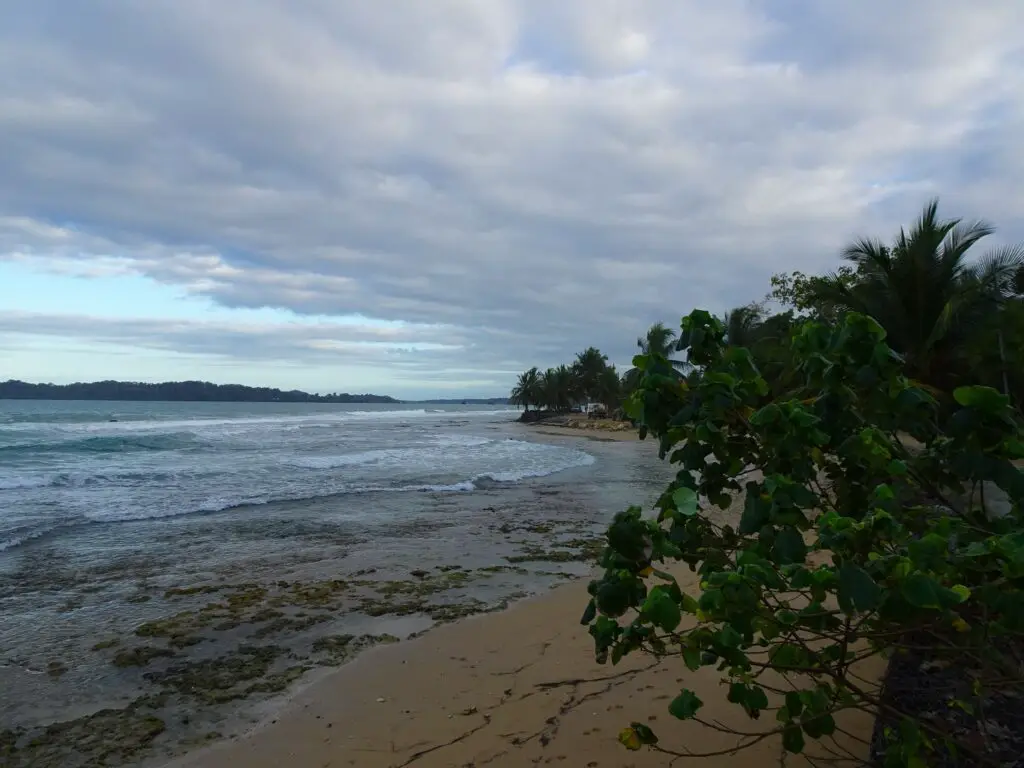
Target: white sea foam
column 156, row 468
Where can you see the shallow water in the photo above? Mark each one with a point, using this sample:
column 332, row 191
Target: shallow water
column 269, row 527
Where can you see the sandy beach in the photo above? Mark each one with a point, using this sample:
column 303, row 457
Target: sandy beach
column 516, row 688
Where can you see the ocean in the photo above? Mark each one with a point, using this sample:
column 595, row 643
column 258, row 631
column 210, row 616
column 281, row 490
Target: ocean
column 144, row 544
column 65, row 465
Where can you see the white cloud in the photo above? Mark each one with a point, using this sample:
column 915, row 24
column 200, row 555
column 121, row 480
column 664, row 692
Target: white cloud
column 535, row 175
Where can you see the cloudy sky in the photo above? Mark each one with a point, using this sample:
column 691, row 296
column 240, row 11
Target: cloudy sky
column 424, row 197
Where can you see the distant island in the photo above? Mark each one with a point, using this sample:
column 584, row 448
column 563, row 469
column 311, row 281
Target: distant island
column 184, row 391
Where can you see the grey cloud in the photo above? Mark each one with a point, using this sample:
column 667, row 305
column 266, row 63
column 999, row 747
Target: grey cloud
column 533, row 177
column 412, row 352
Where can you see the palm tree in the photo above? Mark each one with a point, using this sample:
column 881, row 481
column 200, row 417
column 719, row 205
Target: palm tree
column 558, row 388
column 925, row 293
column 660, row 340
column 526, row 392
column 742, row 325
column 609, row 389
column 588, row 368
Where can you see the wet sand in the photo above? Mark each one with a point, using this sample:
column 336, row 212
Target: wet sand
column 512, row 689
column 135, row 648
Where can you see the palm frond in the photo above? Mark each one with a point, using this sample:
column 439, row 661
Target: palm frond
column 998, row 270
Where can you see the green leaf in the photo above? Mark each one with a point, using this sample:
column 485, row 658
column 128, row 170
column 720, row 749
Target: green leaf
column 769, row 630
column 961, row 591
column 982, row 398
column 613, row 598
column 630, row 739
column 688, row 604
column 757, row 699
column 793, row 739
column 884, row 492
column 755, row 511
column 787, row 617
column 627, row 536
column 788, row 655
column 618, row 651
column 645, row 734
column 820, row 725
column 721, row 500
column 897, row 468
column 794, row 703
column 919, row 590
column 691, row 658
column 728, row 637
column 767, row 415
column 789, row 546
column 686, row 501
column 685, row 705
column 857, row 590
column 661, row 609
column 590, row 613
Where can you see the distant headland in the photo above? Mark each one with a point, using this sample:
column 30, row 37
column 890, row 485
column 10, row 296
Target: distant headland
column 184, row 391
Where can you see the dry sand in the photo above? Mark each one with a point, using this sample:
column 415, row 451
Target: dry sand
column 518, row 688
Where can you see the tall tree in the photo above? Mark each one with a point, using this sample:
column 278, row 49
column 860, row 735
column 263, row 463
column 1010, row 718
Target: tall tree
column 588, row 368
column 558, row 388
column 659, row 340
column 527, row 390
column 742, row 324
column 609, row 388
column 925, row 292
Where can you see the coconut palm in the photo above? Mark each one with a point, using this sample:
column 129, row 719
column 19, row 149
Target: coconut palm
column 925, row 293
column 742, row 324
column 558, row 388
column 588, row 368
column 527, row 392
column 660, row 340
column 609, row 388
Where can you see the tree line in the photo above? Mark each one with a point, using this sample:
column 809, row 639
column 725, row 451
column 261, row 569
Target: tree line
column 953, row 319
column 590, row 378
column 183, row 391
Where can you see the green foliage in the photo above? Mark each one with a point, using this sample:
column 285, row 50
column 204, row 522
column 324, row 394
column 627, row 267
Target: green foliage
column 857, row 533
column 528, row 389
column 955, row 319
column 590, row 378
column 925, row 291
column 809, row 295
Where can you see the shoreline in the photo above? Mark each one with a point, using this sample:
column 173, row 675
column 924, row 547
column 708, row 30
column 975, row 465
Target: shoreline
column 464, row 695
column 189, row 656
column 512, row 688
column 577, row 425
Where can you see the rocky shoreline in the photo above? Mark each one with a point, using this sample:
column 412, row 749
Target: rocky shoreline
column 579, row 421
column 214, row 645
